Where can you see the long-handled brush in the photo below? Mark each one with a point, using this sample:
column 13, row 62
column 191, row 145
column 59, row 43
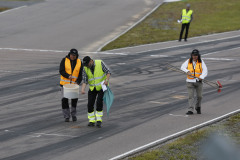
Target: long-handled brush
column 216, row 84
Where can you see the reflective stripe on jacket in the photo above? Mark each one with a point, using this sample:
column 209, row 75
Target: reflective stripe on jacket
column 194, row 72
column 186, row 16
column 68, row 69
column 96, row 79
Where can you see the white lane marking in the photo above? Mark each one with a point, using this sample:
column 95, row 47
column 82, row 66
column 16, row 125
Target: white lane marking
column 58, row 135
column 120, row 63
column 178, row 115
column 220, row 59
column 220, row 51
column 228, row 80
column 172, row 0
column 154, row 143
column 100, row 48
column 156, row 102
column 12, row 9
column 160, row 56
column 31, row 50
column 189, row 44
column 158, row 43
column 59, row 51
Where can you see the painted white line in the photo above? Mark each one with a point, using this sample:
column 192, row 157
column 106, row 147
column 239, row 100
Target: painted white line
column 12, row 9
column 100, row 48
column 120, row 63
column 175, row 135
column 31, row 50
column 59, row 51
column 220, row 59
column 58, row 135
column 178, row 115
column 160, row 56
column 172, row 0
column 156, row 102
column 189, row 44
column 158, row 43
column 220, row 51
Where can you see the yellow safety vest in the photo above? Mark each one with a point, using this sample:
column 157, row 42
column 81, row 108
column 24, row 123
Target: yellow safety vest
column 186, row 16
column 94, row 80
column 68, row 70
column 194, row 72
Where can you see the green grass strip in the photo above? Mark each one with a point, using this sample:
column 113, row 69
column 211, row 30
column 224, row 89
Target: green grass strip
column 210, row 16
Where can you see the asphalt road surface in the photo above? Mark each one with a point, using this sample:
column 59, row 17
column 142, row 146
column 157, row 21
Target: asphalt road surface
column 61, row 24
column 150, row 101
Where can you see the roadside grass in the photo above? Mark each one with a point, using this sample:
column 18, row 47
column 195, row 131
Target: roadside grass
column 188, row 147
column 209, row 16
column 3, row 9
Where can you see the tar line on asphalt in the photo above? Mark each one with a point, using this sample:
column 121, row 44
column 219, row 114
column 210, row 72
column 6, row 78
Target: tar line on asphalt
column 170, row 137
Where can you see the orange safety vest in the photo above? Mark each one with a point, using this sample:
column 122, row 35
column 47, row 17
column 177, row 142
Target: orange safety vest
column 68, row 70
column 194, row 72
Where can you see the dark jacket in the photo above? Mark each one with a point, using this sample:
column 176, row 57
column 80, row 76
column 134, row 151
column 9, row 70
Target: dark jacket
column 73, row 64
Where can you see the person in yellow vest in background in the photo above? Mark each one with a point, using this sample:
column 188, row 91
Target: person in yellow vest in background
column 94, row 73
column 194, row 66
column 186, row 18
column 71, row 72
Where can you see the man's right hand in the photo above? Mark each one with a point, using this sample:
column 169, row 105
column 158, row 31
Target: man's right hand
column 83, row 92
column 189, row 73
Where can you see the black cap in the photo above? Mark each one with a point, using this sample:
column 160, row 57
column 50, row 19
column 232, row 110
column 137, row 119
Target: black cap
column 86, row 60
column 74, row 52
column 195, row 52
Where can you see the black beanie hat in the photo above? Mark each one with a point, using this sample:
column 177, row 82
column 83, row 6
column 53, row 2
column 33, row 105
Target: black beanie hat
column 195, row 52
column 86, row 60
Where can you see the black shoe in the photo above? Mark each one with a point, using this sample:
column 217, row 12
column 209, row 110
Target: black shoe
column 179, row 40
column 185, row 40
column 66, row 119
column 99, row 124
column 198, row 109
column 74, row 118
column 189, row 113
column 91, row 124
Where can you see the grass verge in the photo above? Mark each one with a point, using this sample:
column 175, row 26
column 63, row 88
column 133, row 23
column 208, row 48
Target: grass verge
column 188, row 147
column 210, row 16
column 3, row 9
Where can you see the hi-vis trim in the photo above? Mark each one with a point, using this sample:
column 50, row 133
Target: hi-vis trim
column 68, row 81
column 95, row 84
column 97, row 78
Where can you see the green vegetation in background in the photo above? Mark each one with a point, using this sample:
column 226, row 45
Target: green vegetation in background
column 187, row 147
column 209, row 16
column 3, row 9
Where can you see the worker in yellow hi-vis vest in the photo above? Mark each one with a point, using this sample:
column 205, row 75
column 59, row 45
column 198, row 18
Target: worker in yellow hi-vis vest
column 186, row 19
column 71, row 72
column 95, row 73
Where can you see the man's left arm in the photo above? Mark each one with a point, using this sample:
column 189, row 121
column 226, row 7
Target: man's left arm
column 204, row 71
column 107, row 71
column 79, row 80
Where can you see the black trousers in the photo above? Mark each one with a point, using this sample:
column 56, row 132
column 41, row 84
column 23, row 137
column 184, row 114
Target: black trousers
column 92, row 95
column 65, row 104
column 185, row 25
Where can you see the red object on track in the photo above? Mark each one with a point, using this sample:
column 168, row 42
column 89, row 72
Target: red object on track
column 220, row 86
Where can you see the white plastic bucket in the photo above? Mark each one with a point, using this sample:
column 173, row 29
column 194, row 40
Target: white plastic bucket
column 71, row 91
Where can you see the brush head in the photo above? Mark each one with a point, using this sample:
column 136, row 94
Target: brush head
column 219, row 84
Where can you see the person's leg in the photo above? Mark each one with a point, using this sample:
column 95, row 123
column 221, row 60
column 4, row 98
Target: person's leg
column 199, row 97
column 99, row 109
column 186, row 32
column 91, row 101
column 74, row 109
column 190, row 87
column 181, row 33
column 65, row 107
